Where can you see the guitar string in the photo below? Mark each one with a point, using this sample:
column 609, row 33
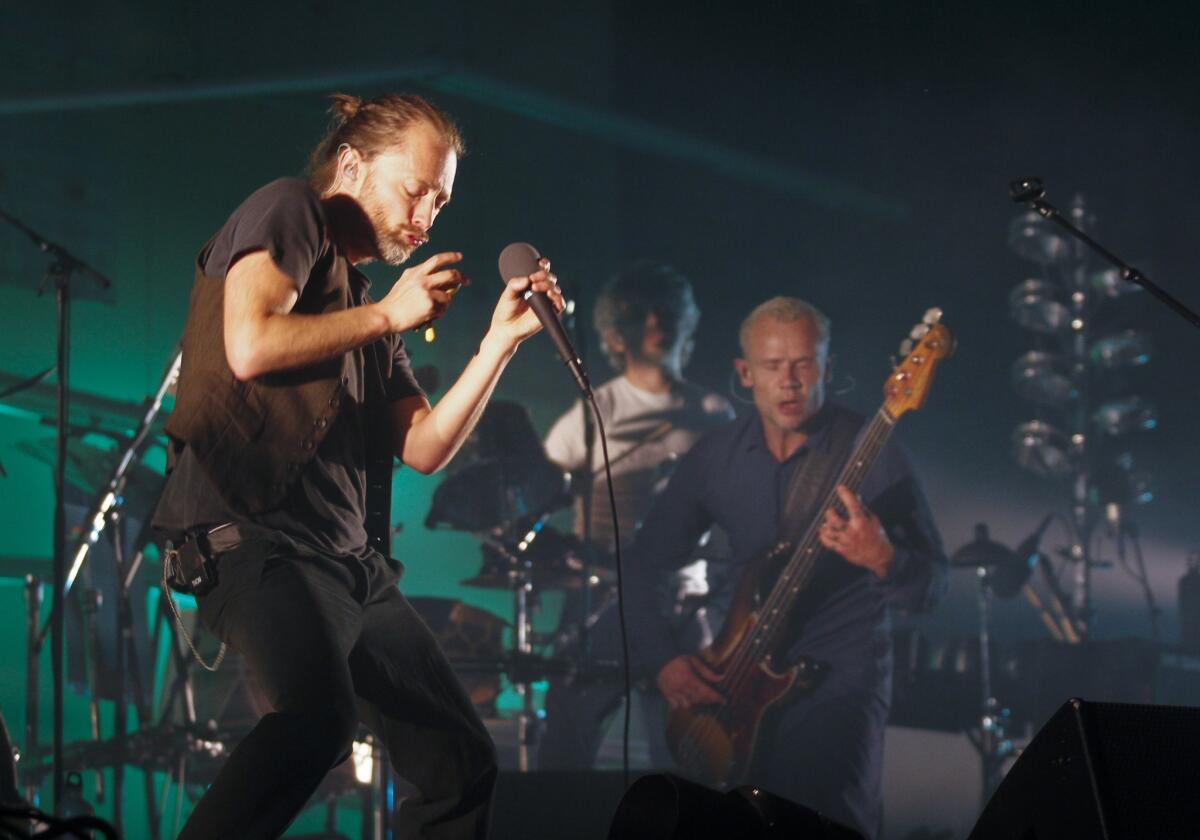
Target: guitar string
column 743, row 661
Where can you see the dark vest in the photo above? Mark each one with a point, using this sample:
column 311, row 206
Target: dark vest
column 253, row 439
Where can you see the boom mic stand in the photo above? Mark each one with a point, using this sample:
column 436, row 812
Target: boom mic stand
column 59, row 274
column 1031, row 192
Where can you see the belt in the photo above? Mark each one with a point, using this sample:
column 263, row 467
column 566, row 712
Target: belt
column 229, row 535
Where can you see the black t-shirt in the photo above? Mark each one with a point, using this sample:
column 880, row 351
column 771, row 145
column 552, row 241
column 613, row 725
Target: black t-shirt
column 327, row 507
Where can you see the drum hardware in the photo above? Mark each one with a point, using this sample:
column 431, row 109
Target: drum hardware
column 63, row 274
column 504, row 480
column 553, row 560
column 471, row 638
column 1001, row 572
column 90, row 412
column 107, row 516
column 503, row 494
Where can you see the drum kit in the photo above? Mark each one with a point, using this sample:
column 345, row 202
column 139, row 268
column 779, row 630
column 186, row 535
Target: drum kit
column 503, row 491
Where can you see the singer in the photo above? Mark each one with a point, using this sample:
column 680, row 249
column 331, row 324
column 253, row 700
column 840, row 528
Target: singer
column 295, row 396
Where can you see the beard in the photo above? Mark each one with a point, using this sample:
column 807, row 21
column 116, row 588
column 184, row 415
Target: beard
column 391, row 241
column 393, row 247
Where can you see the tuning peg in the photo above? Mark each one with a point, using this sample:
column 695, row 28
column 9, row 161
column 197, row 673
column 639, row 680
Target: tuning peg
column 906, row 346
column 933, row 316
column 919, row 332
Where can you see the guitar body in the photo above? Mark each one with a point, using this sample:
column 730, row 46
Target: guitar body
column 715, row 744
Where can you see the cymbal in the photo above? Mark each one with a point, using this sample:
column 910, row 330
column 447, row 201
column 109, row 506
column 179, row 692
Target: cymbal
column 89, row 468
column 1006, row 571
column 15, row 566
column 88, row 411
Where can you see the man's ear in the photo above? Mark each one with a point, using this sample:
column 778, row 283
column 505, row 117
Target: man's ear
column 613, row 341
column 743, row 371
column 350, row 169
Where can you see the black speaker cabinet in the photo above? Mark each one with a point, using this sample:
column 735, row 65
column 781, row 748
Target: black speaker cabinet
column 1102, row 771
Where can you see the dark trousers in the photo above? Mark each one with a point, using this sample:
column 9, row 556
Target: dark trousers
column 826, row 752
column 333, row 642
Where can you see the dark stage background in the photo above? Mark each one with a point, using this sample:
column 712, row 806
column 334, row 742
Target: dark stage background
column 856, row 154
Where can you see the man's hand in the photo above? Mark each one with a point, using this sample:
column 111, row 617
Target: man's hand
column 513, row 321
column 422, row 294
column 858, row 537
column 685, row 681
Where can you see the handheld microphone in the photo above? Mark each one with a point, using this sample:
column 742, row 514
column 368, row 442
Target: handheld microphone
column 520, row 259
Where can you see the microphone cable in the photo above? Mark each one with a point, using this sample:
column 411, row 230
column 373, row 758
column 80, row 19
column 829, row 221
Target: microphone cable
column 612, row 502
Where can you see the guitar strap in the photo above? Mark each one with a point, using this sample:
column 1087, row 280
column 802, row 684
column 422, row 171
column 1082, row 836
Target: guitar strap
column 814, row 479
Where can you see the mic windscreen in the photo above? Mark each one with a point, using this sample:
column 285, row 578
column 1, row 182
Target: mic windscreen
column 520, row 259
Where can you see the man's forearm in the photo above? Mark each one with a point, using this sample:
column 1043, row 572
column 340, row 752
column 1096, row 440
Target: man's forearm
column 282, row 341
column 433, row 439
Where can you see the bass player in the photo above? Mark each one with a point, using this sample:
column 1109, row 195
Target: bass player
column 753, row 477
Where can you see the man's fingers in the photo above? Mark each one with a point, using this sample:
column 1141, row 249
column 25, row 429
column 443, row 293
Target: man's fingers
column 438, row 260
column 703, row 670
column 834, row 520
column 450, row 278
column 853, row 506
column 441, row 302
column 701, row 692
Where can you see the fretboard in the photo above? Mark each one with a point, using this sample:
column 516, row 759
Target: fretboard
column 773, row 615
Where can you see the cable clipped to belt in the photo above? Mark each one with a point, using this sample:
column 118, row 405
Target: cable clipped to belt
column 187, row 637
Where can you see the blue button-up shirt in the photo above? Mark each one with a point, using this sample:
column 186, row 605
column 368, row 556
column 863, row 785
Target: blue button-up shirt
column 731, row 479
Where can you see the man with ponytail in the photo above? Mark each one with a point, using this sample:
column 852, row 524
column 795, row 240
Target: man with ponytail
column 295, row 396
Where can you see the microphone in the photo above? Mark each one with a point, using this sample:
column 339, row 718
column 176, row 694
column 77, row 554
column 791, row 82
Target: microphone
column 520, row 259
column 1026, row 189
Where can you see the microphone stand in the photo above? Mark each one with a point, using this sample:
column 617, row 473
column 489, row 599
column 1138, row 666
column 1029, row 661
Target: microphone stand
column 1031, row 192
column 59, row 274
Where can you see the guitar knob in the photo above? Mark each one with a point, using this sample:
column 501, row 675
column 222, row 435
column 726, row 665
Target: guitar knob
column 906, row 346
column 919, row 332
column 933, row 316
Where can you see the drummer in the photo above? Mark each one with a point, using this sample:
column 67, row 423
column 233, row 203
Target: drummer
column 645, row 316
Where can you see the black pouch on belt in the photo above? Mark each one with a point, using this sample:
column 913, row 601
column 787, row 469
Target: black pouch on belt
column 190, row 567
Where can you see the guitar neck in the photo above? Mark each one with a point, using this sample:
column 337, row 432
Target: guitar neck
column 791, row 582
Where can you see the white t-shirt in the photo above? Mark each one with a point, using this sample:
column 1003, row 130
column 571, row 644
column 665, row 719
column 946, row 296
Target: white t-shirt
column 647, row 433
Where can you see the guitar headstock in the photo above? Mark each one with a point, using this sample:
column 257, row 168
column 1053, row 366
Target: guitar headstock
column 926, row 345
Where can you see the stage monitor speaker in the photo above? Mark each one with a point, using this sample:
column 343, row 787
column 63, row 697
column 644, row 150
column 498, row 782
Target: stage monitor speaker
column 667, row 807
column 1102, row 771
